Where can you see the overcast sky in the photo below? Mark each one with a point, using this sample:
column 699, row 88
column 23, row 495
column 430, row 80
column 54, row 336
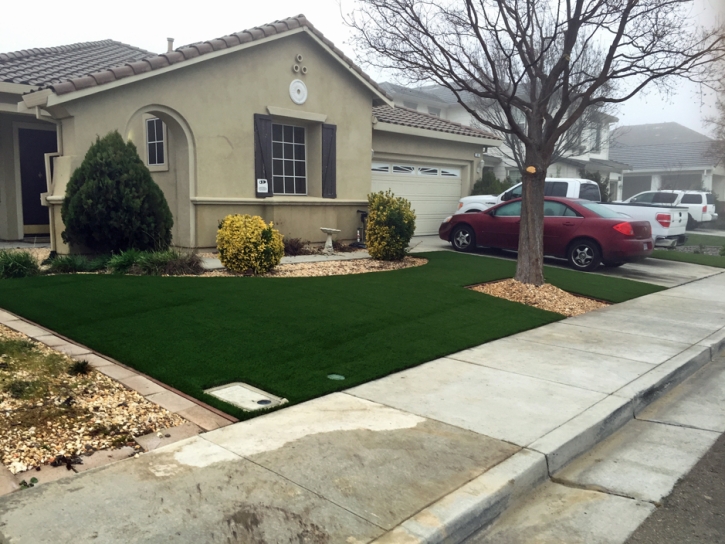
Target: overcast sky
column 146, row 24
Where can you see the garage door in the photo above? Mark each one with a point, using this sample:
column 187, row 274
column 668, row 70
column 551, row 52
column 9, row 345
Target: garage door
column 433, row 190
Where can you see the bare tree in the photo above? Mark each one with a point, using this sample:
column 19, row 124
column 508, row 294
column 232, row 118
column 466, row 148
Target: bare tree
column 544, row 63
column 717, row 150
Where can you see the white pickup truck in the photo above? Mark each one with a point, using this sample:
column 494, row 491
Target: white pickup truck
column 700, row 204
column 563, row 187
column 668, row 222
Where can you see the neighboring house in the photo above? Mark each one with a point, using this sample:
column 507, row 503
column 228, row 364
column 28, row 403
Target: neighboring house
column 592, row 155
column 667, row 156
column 26, row 137
column 273, row 121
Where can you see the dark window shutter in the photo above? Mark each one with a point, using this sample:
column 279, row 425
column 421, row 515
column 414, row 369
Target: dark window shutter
column 329, row 161
column 262, row 153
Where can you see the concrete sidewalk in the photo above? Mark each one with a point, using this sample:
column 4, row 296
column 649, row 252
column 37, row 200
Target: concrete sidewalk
column 429, row 454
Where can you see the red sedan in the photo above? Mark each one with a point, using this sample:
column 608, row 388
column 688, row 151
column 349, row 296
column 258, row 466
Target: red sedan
column 584, row 232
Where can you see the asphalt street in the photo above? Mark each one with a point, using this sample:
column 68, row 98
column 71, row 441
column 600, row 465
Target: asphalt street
column 695, row 511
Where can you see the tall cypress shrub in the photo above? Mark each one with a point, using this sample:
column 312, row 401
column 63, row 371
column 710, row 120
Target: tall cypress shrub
column 112, row 204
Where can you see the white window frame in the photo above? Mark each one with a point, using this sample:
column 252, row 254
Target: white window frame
column 160, row 167
column 294, row 160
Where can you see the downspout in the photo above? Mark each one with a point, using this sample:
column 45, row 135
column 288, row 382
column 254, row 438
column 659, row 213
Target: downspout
column 49, row 171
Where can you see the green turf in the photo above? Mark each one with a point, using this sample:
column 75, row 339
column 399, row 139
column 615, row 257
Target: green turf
column 704, row 240
column 285, row 335
column 695, row 258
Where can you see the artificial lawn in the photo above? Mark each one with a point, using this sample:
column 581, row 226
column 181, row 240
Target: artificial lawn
column 704, row 240
column 695, row 258
column 285, row 335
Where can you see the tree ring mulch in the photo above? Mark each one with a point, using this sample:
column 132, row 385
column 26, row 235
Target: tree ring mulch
column 545, row 297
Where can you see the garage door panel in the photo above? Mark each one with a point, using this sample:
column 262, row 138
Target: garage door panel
column 431, row 197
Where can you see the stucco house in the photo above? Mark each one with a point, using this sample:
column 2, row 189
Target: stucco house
column 592, row 155
column 274, row 121
column 667, row 156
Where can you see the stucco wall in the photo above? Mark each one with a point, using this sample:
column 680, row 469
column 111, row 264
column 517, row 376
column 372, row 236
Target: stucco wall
column 211, row 105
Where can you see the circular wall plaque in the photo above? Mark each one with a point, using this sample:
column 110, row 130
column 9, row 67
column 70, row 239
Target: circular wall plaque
column 298, row 91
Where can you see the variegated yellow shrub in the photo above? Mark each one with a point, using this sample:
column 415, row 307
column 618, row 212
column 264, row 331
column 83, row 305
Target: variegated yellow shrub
column 247, row 243
column 390, row 226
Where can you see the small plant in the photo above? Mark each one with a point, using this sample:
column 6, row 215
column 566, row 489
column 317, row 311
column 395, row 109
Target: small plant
column 18, row 264
column 247, row 244
column 123, row 261
column 18, row 388
column 112, row 203
column 155, row 263
column 26, row 485
column 80, row 368
column 294, row 247
column 722, row 251
column 391, row 223
column 700, row 249
column 68, row 264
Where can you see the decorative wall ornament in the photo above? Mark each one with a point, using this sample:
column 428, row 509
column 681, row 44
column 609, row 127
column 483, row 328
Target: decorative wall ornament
column 298, row 91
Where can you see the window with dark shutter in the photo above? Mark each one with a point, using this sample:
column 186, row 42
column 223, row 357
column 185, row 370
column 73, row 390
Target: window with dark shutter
column 329, row 161
column 262, row 154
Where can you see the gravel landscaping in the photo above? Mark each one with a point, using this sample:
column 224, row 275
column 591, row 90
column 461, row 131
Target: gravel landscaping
column 48, row 415
column 545, row 297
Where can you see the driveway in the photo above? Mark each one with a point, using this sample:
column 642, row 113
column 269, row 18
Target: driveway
column 656, row 271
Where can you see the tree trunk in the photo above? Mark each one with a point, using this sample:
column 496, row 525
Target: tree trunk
column 530, row 263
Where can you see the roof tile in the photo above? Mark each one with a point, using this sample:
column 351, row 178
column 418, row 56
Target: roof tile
column 103, row 77
column 158, row 62
column 415, row 119
column 138, row 67
column 44, row 67
column 49, row 67
column 84, row 82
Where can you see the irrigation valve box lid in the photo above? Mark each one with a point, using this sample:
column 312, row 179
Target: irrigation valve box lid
column 245, row 396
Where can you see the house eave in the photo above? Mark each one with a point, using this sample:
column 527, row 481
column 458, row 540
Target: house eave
column 16, row 88
column 435, row 134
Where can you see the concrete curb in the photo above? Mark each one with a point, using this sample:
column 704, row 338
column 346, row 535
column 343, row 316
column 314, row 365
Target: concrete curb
column 475, row 505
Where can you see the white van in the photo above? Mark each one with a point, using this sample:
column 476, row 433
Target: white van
column 563, row 187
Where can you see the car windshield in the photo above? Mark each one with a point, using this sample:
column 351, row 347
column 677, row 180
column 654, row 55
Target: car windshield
column 601, row 211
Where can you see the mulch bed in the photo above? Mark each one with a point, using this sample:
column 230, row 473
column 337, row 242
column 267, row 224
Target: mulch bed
column 545, row 297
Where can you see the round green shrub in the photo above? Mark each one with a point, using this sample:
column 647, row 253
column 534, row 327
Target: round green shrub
column 112, row 204
column 246, row 243
column 390, row 226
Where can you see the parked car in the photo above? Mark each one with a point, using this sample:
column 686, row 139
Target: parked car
column 668, row 222
column 700, row 204
column 561, row 187
column 584, row 232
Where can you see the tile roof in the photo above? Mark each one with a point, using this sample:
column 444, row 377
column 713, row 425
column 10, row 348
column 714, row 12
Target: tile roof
column 599, row 163
column 666, row 156
column 415, row 119
column 404, row 92
column 51, row 65
column 122, row 69
column 655, row 133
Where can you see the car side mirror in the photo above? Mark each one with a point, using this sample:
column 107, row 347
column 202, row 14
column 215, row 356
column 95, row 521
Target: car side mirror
column 506, row 196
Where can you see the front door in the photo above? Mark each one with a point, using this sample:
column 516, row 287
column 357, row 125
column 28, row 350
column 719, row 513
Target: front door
column 33, row 145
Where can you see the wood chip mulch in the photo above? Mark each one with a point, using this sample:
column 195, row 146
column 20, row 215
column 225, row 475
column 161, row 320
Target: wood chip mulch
column 545, row 297
column 48, row 416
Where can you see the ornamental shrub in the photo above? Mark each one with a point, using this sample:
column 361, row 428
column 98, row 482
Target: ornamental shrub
column 390, row 226
column 246, row 243
column 112, row 204
column 17, row 264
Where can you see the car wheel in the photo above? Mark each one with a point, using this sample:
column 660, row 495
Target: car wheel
column 691, row 223
column 463, row 238
column 584, row 255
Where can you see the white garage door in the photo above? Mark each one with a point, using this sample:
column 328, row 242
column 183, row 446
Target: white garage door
column 433, row 190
